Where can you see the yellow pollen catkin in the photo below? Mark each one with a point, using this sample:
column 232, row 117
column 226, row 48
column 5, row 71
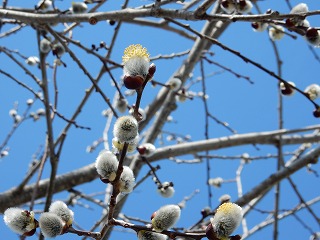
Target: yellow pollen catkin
column 135, row 50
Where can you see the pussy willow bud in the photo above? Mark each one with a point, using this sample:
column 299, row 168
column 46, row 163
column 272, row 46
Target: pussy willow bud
column 166, row 217
column 286, row 88
column 127, row 180
column 51, row 225
column 313, row 91
column 58, row 49
column 146, row 149
column 216, row 182
column 44, row 4
column 259, row 26
column 227, row 218
column 313, row 36
column 136, row 61
column 45, row 45
column 32, row 61
column 296, row 21
column 228, row 6
column 122, row 104
column 78, row 7
column 224, row 198
column 61, row 210
column 276, row 33
column 106, row 165
column 174, row 84
column 147, row 235
column 126, row 129
column 166, row 190
column 20, row 221
column 244, row 6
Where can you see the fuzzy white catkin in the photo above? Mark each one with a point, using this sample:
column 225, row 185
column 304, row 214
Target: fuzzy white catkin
column 147, row 149
column 147, row 235
column 246, row 7
column 276, row 33
column 78, row 7
column 136, row 66
column 50, row 224
column 32, row 61
column 59, row 49
column 216, row 182
column 227, row 218
column 19, row 220
column 313, row 91
column 228, row 6
column 127, row 180
column 300, row 8
column 107, row 165
column 166, row 190
column 121, row 105
column 166, row 217
column 61, row 210
column 45, row 45
column 126, row 129
column 174, row 83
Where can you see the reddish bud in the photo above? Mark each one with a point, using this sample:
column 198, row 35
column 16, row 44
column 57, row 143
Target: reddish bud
column 152, row 70
column 31, row 233
column 153, row 215
column 142, row 150
column 290, row 23
column 312, row 33
column 255, row 25
column 210, row 233
column 133, row 82
column 287, row 91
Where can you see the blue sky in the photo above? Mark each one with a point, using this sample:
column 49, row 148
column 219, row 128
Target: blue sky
column 246, row 107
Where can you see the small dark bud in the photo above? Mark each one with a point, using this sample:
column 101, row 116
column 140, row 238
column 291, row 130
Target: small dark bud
column 242, row 3
column 112, row 22
column 236, row 237
column 225, row 3
column 205, row 212
column 93, row 47
column 102, row 44
column 93, row 21
column 316, row 113
column 133, row 82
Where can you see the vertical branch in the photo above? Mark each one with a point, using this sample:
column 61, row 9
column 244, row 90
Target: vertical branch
column 50, row 138
column 279, row 146
column 240, row 192
column 206, row 133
